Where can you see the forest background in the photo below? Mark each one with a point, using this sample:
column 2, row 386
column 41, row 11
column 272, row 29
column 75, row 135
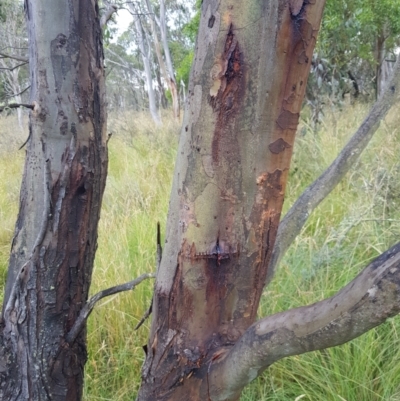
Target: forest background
column 146, row 77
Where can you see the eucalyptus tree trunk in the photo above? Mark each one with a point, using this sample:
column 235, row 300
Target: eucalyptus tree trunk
column 168, row 59
column 56, row 232
column 166, row 67
column 145, row 53
column 247, row 85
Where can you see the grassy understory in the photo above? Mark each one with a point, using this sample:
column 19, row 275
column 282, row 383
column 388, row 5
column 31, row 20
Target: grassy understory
column 360, row 219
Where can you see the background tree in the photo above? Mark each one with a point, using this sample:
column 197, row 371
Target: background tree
column 356, row 46
column 13, row 55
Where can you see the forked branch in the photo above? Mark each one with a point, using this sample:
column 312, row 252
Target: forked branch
column 87, row 309
column 366, row 302
column 298, row 214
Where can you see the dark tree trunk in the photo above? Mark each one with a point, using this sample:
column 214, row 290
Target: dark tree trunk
column 56, row 233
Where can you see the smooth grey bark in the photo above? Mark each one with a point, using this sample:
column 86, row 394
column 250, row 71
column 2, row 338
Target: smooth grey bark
column 55, row 236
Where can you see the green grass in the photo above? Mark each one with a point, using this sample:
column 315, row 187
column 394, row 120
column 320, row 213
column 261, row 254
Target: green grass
column 360, row 219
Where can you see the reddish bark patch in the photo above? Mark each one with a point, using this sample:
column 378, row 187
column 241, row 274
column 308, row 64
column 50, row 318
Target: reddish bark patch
column 288, row 120
column 278, row 146
column 227, row 100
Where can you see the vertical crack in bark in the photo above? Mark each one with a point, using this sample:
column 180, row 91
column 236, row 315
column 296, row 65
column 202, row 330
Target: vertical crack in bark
column 227, row 100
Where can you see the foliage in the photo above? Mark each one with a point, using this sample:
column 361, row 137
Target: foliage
column 346, row 56
column 190, row 30
column 192, row 27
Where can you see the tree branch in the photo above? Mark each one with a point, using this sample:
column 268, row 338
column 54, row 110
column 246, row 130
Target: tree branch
column 366, row 302
column 12, row 68
column 111, row 9
column 158, row 262
column 123, row 64
column 16, row 105
column 17, row 94
column 15, row 57
column 298, row 214
column 87, row 309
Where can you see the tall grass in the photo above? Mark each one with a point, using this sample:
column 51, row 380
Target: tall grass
column 360, row 219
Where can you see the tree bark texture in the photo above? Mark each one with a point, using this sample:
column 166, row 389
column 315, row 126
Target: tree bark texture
column 247, row 85
column 56, row 232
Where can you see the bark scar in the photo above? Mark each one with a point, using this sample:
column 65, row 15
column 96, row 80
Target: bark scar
column 225, row 92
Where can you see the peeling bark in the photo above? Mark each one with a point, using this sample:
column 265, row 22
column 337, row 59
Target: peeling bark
column 247, row 85
column 56, row 232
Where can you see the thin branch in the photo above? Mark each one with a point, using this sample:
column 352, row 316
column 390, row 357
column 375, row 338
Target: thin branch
column 145, row 316
column 13, row 68
column 15, row 57
column 366, row 302
column 87, row 309
column 15, row 105
column 17, row 94
column 125, row 65
column 298, row 214
column 158, row 262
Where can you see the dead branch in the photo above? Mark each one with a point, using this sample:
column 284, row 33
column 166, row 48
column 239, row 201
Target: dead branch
column 14, row 57
column 366, row 302
column 12, row 68
column 87, row 309
column 19, row 93
column 145, row 316
column 15, row 105
column 298, row 214
column 158, row 262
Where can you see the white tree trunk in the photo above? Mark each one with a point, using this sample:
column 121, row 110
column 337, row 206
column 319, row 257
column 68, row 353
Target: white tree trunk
column 145, row 54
